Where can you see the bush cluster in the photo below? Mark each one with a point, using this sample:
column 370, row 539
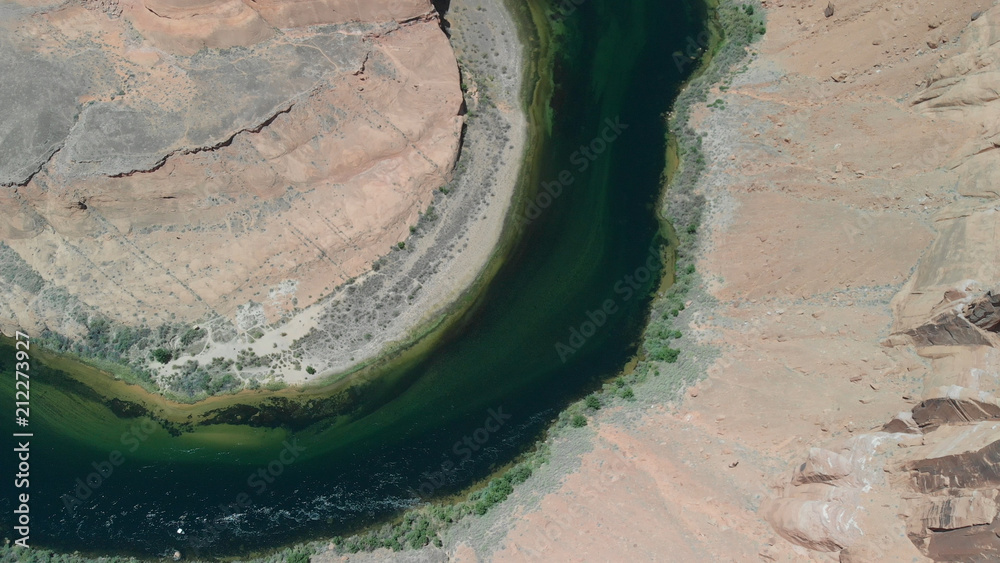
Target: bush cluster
column 13, row 554
column 193, row 380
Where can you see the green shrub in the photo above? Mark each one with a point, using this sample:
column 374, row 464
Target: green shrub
column 162, row 355
column 578, row 421
column 520, row 474
column 190, row 336
column 275, row 385
column 310, row 370
column 593, row 402
column 496, row 492
column 664, row 354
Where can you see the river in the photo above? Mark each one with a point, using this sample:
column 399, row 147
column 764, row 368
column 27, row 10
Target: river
column 564, row 312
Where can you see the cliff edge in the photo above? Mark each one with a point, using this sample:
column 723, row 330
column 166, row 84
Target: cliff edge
column 186, row 174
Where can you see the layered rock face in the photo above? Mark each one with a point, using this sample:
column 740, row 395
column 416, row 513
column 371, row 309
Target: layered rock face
column 939, row 462
column 175, row 160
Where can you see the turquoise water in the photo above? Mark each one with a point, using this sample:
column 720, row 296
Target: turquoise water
column 563, row 313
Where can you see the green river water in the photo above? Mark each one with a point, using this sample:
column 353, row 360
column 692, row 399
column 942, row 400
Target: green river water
column 563, row 313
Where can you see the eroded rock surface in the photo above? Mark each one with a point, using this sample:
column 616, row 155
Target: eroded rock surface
column 179, row 161
column 945, row 460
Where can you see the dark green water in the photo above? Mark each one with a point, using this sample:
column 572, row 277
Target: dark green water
column 587, row 247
